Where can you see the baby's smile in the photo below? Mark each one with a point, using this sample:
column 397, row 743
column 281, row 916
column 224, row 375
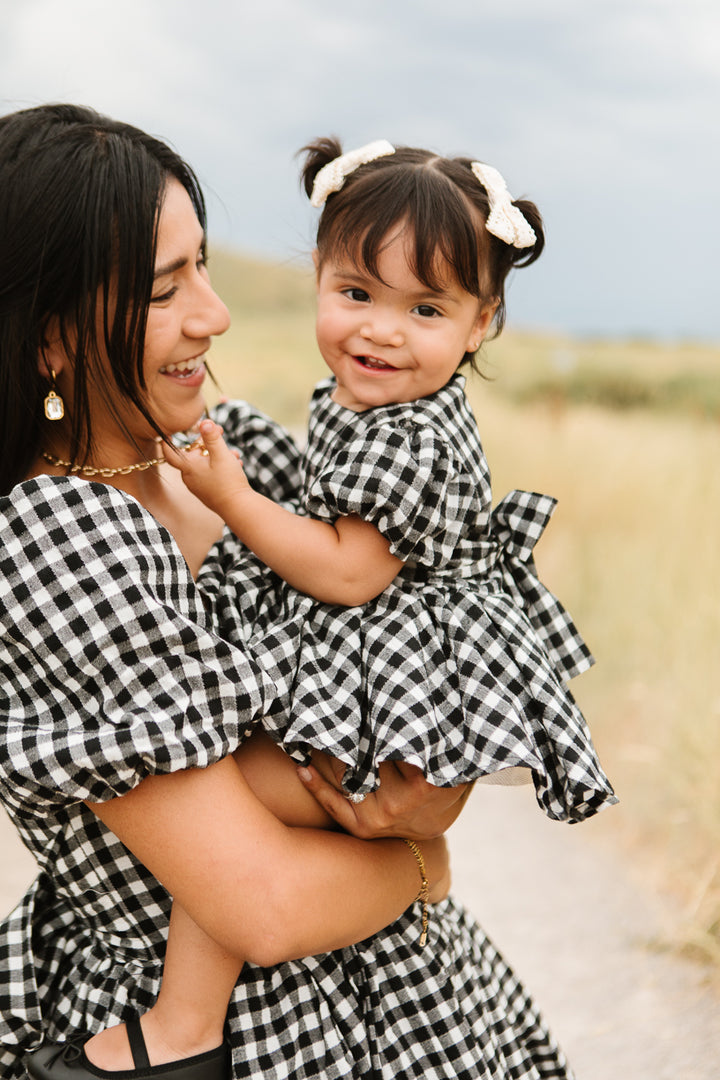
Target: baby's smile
column 374, row 364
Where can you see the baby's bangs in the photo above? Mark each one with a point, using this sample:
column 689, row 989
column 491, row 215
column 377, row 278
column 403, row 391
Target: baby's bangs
column 446, row 233
column 421, row 200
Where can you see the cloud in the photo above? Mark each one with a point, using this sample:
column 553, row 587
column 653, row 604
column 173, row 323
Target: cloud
column 605, row 112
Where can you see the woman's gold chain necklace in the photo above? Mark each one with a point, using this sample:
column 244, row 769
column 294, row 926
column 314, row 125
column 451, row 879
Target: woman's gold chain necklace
column 90, row 470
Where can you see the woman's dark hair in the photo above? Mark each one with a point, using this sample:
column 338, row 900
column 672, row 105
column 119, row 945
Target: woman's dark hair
column 79, row 204
column 440, row 201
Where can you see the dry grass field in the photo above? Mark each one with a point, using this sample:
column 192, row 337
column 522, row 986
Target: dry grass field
column 633, row 551
column 626, row 435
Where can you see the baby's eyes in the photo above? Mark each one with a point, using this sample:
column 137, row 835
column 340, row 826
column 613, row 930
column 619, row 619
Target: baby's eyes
column 359, row 295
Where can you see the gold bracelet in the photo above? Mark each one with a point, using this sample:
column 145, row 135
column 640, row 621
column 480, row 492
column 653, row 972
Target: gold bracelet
column 424, row 887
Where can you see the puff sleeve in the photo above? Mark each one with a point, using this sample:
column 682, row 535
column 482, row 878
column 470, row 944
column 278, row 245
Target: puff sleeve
column 403, row 479
column 110, row 668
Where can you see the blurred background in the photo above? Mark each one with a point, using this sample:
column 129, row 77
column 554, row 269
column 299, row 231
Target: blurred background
column 604, row 390
column 605, row 112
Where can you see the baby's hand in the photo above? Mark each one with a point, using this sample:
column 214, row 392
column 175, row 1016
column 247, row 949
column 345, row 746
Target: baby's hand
column 210, row 469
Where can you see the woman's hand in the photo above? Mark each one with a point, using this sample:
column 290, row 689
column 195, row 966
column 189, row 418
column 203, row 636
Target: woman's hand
column 404, row 805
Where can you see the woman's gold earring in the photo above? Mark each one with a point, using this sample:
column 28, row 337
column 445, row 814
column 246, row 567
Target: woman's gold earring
column 54, row 404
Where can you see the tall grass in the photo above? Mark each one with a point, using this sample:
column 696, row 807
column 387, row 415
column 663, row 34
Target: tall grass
column 633, row 548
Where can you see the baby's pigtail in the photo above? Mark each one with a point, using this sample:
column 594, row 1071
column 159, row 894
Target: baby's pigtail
column 507, row 257
column 318, row 153
column 527, row 256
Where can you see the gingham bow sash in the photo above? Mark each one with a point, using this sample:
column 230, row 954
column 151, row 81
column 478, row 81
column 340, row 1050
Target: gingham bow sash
column 516, row 524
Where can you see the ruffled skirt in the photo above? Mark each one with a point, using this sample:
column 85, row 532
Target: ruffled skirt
column 445, row 674
column 386, row 1008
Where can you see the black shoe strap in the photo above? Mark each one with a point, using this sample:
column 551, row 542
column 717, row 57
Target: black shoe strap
column 138, row 1049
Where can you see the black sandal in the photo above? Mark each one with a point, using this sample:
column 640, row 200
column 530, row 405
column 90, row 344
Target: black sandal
column 68, row 1061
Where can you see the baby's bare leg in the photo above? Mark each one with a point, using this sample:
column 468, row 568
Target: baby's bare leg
column 198, row 980
column 189, row 1015
column 271, row 775
column 199, row 976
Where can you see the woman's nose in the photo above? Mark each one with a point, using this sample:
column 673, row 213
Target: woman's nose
column 208, row 315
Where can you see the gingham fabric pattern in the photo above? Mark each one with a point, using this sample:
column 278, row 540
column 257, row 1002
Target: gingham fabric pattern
column 459, row 666
column 111, row 671
column 270, row 455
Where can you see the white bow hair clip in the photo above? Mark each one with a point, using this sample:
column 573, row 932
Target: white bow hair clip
column 332, row 176
column 504, row 220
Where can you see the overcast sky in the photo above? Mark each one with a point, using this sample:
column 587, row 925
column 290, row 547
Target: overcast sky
column 606, row 112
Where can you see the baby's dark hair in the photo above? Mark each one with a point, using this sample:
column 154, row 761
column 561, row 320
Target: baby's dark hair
column 439, row 199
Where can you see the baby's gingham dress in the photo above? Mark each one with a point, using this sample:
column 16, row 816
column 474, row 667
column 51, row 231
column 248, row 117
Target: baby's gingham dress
column 460, row 665
column 113, row 670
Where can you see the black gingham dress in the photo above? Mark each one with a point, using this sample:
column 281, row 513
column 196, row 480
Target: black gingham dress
column 459, row 666
column 112, row 670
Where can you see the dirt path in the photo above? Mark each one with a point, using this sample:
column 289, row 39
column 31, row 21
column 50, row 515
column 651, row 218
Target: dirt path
column 568, row 916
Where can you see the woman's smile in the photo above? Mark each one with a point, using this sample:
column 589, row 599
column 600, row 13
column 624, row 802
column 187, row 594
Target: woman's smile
column 184, row 315
column 190, row 372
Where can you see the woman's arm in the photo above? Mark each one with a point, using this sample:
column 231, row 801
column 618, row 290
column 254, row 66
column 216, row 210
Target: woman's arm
column 348, row 562
column 263, row 891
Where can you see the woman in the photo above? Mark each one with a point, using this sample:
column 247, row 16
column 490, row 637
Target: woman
column 122, row 705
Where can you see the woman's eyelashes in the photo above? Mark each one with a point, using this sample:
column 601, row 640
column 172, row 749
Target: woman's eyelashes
column 163, row 298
